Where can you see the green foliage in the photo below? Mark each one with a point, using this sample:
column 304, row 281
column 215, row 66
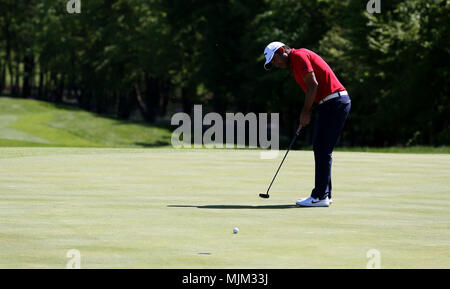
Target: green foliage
column 117, row 56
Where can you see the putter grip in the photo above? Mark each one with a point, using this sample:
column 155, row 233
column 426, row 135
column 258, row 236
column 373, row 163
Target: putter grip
column 299, row 130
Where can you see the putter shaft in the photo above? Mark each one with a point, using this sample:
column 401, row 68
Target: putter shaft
column 290, row 145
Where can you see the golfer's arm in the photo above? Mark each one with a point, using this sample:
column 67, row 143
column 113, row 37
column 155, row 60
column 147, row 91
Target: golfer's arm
column 311, row 91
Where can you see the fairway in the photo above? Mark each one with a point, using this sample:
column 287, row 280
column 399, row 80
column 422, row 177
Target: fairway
column 166, row 208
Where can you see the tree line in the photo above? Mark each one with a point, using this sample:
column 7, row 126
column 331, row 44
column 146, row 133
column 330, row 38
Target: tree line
column 161, row 56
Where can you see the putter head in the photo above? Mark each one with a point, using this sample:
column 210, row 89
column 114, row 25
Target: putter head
column 264, row 196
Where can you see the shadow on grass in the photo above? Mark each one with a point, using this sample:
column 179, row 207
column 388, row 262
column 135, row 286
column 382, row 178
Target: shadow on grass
column 234, row 207
column 152, row 145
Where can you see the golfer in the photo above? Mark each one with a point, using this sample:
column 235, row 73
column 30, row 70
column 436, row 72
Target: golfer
column 321, row 87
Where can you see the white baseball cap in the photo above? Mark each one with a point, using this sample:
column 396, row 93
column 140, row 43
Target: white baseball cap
column 270, row 50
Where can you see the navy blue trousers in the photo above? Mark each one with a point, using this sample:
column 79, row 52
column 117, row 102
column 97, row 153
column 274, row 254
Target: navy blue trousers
column 330, row 118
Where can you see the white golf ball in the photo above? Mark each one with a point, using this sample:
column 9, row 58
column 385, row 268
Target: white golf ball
column 235, row 230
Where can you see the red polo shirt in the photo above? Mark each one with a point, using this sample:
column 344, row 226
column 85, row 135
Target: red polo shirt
column 303, row 61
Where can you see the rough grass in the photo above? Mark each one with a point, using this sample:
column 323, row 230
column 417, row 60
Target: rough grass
column 40, row 124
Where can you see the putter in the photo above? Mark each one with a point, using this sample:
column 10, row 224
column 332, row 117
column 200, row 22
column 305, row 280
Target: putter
column 266, row 195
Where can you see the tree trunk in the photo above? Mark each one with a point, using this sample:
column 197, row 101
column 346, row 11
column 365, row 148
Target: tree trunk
column 28, row 61
column 123, row 104
column 8, row 54
column 165, row 97
column 2, row 77
column 59, row 91
column 16, row 90
column 152, row 96
column 101, row 101
column 185, row 100
column 46, row 85
column 52, row 84
column 84, row 98
column 141, row 103
column 41, row 83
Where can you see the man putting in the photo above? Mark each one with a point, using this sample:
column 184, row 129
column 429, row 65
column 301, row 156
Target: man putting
column 322, row 87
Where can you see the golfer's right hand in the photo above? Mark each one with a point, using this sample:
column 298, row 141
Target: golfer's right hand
column 305, row 118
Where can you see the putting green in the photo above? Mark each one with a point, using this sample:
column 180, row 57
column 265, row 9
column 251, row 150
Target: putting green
column 163, row 208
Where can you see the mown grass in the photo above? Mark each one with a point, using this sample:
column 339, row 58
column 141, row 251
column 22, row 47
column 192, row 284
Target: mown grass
column 166, row 208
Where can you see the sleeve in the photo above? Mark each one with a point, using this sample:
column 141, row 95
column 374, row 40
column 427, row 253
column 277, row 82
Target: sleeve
column 302, row 64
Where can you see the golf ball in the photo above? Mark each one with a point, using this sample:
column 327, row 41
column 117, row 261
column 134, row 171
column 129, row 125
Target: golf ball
column 235, row 230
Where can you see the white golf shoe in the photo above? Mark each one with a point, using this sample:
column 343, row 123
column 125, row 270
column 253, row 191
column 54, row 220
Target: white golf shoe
column 312, row 202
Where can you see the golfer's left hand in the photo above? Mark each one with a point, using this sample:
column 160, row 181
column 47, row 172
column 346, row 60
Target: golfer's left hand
column 305, row 118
